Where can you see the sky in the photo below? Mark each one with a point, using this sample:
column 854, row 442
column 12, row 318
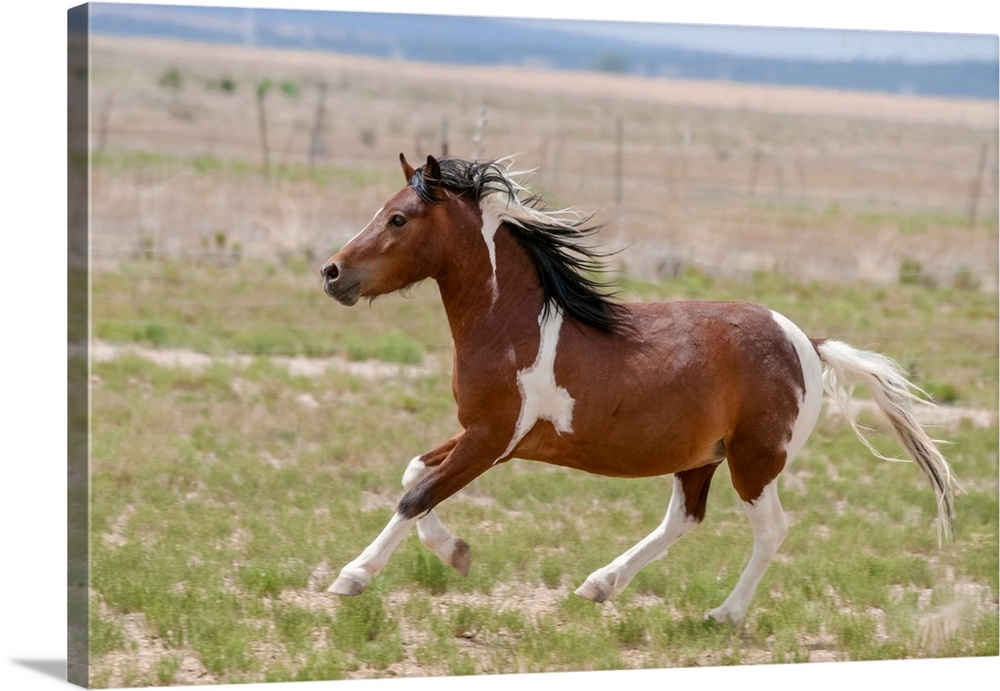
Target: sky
column 825, row 44
column 886, row 30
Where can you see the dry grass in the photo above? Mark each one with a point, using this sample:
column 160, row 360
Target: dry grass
column 732, row 178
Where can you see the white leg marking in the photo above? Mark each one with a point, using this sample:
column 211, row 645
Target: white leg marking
column 613, row 578
column 767, row 520
column 356, row 576
column 541, row 397
column 415, row 472
column 431, row 531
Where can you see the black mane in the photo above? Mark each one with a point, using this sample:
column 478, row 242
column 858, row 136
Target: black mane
column 565, row 267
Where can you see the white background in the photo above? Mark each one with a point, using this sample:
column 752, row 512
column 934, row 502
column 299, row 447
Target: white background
column 33, row 334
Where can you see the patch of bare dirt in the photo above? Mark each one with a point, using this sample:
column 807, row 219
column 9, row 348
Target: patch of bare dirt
column 144, row 653
column 934, row 416
column 102, row 351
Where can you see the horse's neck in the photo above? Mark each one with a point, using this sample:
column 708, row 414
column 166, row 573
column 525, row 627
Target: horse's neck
column 487, row 304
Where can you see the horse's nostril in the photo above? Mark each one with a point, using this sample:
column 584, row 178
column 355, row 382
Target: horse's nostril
column 330, row 272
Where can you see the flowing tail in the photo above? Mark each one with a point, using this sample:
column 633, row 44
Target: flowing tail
column 893, row 393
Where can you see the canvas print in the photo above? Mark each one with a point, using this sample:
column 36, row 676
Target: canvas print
column 410, row 345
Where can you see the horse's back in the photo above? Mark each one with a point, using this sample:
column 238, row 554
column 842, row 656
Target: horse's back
column 678, row 379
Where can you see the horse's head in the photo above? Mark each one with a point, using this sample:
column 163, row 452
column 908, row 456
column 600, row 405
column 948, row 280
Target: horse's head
column 401, row 245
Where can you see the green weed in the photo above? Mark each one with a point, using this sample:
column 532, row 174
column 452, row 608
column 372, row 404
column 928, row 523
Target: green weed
column 216, row 496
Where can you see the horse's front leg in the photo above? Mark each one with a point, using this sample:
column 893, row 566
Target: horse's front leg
column 452, row 550
column 469, row 456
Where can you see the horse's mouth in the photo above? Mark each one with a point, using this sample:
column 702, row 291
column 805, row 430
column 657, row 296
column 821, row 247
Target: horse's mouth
column 345, row 295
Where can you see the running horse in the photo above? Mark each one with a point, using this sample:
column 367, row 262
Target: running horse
column 550, row 367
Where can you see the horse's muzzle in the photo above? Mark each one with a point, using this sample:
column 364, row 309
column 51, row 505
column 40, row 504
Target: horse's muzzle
column 339, row 285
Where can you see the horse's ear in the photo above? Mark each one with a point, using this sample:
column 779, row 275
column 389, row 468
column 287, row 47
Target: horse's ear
column 408, row 170
column 432, row 171
column 432, row 176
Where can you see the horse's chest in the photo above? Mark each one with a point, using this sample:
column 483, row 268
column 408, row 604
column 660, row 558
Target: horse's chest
column 526, row 394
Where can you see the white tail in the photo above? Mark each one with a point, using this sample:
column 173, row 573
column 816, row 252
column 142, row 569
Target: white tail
column 893, row 393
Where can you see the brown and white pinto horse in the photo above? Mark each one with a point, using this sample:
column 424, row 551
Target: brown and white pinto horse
column 548, row 367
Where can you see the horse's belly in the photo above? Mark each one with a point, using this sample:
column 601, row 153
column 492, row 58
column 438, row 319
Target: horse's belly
column 625, row 450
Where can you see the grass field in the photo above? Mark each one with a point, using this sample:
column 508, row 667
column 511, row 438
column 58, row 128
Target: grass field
column 227, row 492
column 249, row 435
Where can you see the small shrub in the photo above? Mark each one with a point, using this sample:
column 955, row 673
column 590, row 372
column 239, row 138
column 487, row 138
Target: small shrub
column 261, row 581
column 172, row 79
column 461, row 665
column 464, row 621
column 631, row 629
column 941, row 392
column 361, row 620
column 226, row 85
column 156, row 334
column 911, row 272
column 551, row 569
column 166, row 669
column 964, row 279
column 105, row 636
column 430, row 572
column 393, row 346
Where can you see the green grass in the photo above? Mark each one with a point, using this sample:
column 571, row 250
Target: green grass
column 322, row 176
column 222, row 506
column 282, row 312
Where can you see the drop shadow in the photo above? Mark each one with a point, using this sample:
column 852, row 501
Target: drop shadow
column 50, row 668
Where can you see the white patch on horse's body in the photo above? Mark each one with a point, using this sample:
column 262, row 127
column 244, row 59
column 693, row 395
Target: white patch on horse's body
column 541, row 397
column 811, row 402
column 491, row 223
column 497, row 208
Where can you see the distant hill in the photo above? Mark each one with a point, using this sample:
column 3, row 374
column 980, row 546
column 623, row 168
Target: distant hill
column 497, row 41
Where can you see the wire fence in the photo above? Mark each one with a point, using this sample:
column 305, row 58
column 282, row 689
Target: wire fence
column 284, row 162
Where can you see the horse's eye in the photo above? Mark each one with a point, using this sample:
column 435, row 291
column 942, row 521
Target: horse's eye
column 397, row 221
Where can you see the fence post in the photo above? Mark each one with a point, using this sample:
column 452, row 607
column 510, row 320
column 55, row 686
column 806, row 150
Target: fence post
column 262, row 88
column 977, row 184
column 619, row 164
column 316, row 147
column 477, row 139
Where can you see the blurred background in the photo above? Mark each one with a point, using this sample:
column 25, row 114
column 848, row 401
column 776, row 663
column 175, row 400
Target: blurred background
column 230, row 133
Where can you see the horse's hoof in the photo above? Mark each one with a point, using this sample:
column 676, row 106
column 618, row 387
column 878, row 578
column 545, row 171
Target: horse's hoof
column 592, row 592
column 347, row 585
column 723, row 616
column 461, row 557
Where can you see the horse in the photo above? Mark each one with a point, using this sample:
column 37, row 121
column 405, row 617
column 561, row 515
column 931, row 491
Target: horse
column 550, row 366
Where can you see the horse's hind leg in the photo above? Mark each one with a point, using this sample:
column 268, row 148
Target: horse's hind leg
column 452, row 550
column 685, row 511
column 756, row 457
column 767, row 519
